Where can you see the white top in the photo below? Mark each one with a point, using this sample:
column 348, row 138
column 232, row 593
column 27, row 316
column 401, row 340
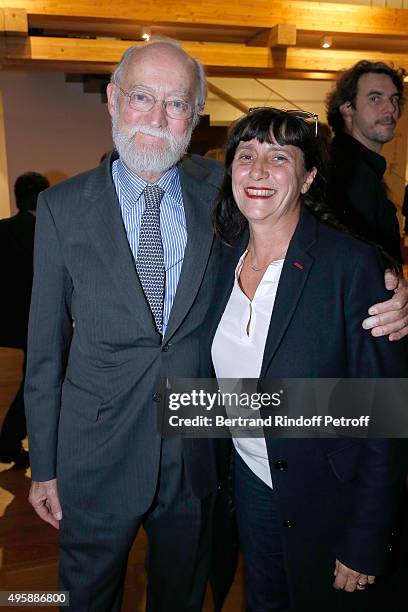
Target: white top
column 238, row 349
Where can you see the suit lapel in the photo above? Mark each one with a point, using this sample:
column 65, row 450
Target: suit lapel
column 198, row 197
column 296, row 269
column 106, row 230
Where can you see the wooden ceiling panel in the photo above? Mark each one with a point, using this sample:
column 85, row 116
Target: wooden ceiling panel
column 219, row 58
column 311, row 16
column 244, row 38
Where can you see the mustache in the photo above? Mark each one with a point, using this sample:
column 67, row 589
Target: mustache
column 387, row 120
column 148, row 130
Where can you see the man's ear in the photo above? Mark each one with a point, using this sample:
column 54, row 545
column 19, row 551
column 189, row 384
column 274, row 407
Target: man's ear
column 346, row 110
column 111, row 94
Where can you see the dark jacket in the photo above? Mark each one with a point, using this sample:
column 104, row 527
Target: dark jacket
column 358, row 195
column 337, row 497
column 95, row 360
column 16, row 277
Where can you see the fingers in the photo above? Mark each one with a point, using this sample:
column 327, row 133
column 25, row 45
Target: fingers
column 399, row 334
column 44, row 498
column 349, row 580
column 393, row 325
column 391, row 280
column 390, row 318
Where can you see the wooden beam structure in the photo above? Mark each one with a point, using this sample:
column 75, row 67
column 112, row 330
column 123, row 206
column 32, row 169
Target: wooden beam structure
column 311, row 16
column 282, row 35
column 15, row 21
column 219, row 58
column 265, row 38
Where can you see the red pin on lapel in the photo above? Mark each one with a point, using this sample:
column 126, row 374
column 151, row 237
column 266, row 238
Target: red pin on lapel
column 298, row 265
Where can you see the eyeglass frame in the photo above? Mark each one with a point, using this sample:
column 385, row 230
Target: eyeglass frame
column 128, row 95
column 292, row 111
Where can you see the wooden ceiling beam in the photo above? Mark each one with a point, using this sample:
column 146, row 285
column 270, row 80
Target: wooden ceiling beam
column 282, row 35
column 218, row 58
column 309, row 16
column 15, row 21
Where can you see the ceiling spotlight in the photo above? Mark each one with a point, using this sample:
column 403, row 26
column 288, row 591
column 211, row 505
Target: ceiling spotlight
column 326, row 42
column 146, row 34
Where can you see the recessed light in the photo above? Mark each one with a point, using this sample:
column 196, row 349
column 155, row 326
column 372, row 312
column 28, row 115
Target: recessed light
column 146, row 34
column 326, row 42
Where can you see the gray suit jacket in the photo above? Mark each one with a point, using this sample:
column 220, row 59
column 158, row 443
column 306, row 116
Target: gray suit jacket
column 95, row 360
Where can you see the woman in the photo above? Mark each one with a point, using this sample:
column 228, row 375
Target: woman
column 306, row 509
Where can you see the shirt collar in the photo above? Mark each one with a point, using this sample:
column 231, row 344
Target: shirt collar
column 132, row 186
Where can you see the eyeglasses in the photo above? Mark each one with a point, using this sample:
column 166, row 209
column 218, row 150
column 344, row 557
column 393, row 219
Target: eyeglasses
column 144, row 102
column 299, row 114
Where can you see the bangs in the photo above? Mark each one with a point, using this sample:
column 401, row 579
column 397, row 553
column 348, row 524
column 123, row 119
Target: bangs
column 270, row 125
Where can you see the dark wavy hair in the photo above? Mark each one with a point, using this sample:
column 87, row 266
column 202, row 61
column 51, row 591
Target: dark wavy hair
column 270, row 125
column 346, row 89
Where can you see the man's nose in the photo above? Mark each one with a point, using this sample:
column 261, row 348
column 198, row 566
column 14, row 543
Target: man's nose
column 157, row 115
column 391, row 106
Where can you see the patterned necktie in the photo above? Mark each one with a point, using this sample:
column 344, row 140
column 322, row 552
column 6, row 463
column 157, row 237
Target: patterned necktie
column 150, row 256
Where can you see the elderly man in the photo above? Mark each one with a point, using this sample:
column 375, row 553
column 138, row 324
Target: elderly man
column 125, row 265
column 113, row 245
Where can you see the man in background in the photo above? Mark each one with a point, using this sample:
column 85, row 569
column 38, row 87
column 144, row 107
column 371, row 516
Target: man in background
column 16, row 277
column 363, row 110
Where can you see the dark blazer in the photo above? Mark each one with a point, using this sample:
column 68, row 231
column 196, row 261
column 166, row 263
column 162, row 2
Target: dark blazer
column 336, row 497
column 95, row 360
column 16, row 277
column 358, row 195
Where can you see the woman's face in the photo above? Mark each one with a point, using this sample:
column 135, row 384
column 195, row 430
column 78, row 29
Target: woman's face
column 267, row 180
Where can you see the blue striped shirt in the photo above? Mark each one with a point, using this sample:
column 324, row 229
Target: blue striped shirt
column 129, row 189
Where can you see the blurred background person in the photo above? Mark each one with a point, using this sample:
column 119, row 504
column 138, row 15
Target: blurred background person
column 363, row 110
column 16, row 276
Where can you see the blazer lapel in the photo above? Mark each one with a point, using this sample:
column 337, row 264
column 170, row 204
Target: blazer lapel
column 106, row 230
column 296, row 269
column 198, row 197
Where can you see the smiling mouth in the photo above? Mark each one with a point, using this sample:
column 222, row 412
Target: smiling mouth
column 251, row 192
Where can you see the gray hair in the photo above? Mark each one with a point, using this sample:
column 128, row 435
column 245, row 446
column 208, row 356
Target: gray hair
column 200, row 78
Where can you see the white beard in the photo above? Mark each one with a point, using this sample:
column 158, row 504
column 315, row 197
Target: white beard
column 148, row 158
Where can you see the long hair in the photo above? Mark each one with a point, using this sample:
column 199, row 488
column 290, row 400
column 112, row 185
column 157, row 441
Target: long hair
column 270, row 125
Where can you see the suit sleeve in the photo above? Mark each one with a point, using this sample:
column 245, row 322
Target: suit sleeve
column 49, row 336
column 379, row 480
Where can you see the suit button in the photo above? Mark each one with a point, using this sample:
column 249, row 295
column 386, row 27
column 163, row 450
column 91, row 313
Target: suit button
column 166, row 347
column 157, row 397
column 289, row 524
column 281, row 464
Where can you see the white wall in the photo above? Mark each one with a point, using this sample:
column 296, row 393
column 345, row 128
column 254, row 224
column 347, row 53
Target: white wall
column 51, row 126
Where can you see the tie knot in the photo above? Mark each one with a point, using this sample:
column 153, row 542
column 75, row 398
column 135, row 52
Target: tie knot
column 153, row 195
